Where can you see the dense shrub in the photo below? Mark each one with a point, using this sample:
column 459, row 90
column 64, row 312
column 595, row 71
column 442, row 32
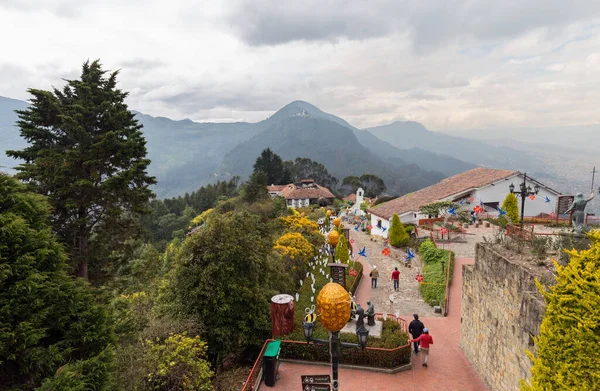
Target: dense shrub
column 567, row 355
column 398, row 236
column 223, row 271
column 177, row 363
column 435, row 262
column 393, row 339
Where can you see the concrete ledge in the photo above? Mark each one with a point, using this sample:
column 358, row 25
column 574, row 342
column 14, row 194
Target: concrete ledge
column 390, row 371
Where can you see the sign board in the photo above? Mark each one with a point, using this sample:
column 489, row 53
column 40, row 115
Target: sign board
column 316, row 382
column 338, row 273
column 564, row 202
column 316, row 387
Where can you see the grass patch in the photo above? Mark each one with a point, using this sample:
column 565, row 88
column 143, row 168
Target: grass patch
column 391, row 336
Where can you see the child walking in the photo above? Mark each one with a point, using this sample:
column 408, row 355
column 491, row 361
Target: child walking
column 424, row 340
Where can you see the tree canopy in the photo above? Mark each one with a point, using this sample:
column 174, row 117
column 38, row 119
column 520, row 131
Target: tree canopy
column 305, row 168
column 271, row 164
column 371, row 184
column 223, row 278
column 47, row 318
column 87, row 153
column 435, row 208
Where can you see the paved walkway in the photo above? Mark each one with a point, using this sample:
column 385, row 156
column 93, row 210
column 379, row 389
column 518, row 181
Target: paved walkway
column 407, row 300
column 448, row 369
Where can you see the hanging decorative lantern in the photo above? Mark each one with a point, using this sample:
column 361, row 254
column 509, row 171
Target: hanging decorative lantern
column 337, row 222
column 333, row 306
column 333, row 238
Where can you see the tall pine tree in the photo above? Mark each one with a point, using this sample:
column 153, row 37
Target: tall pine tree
column 86, row 153
column 50, row 322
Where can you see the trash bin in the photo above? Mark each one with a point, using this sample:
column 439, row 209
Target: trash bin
column 271, row 362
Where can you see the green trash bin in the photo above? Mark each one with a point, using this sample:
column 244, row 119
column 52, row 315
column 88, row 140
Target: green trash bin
column 271, row 362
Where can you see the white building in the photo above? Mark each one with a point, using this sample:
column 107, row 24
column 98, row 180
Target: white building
column 302, row 194
column 355, row 210
column 480, row 186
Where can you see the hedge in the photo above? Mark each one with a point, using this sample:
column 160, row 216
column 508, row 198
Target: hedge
column 390, row 351
column 433, row 288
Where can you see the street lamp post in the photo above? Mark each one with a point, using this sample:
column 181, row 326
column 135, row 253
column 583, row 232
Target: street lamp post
column 333, row 306
column 524, row 193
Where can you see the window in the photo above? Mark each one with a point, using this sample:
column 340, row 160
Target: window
column 379, row 223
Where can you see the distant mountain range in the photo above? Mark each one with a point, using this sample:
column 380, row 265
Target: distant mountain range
column 187, row 154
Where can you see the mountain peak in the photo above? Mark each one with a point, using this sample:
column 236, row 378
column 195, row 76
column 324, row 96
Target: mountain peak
column 300, row 108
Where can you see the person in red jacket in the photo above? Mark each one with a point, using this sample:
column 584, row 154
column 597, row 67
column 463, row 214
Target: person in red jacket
column 425, row 340
column 396, row 278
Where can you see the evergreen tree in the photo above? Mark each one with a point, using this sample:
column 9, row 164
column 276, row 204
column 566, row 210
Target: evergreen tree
column 397, row 233
column 566, row 355
column 371, row 184
column 305, row 168
column 47, row 318
column 87, row 153
column 255, row 189
column 511, row 206
column 271, row 164
column 342, row 254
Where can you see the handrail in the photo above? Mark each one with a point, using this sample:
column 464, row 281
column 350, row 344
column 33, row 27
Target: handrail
column 250, row 381
column 447, row 297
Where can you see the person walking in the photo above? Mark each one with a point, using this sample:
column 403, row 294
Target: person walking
column 415, row 328
column 424, row 340
column 396, row 278
column 374, row 276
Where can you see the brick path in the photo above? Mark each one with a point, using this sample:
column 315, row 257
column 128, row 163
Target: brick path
column 448, row 369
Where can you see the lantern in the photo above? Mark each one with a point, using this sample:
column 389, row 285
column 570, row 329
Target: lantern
column 333, row 238
column 333, row 306
column 337, row 221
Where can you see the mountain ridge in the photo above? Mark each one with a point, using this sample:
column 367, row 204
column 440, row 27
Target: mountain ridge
column 186, row 154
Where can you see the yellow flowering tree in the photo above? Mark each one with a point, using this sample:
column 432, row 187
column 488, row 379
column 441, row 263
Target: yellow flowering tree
column 567, row 355
column 202, row 216
column 294, row 245
column 308, row 228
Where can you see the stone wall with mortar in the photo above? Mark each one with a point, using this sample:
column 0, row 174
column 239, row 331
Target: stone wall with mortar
column 501, row 311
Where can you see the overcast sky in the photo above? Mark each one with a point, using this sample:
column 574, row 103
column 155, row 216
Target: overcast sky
column 447, row 64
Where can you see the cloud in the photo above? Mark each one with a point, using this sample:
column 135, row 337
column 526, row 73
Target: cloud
column 461, row 64
column 429, row 24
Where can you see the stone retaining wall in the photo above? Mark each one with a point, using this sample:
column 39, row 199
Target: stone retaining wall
column 501, row 311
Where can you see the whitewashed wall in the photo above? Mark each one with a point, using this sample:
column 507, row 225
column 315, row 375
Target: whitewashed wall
column 489, row 194
column 499, row 191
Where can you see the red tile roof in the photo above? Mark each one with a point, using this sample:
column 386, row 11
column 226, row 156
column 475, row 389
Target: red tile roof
column 275, row 188
column 313, row 191
column 412, row 202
